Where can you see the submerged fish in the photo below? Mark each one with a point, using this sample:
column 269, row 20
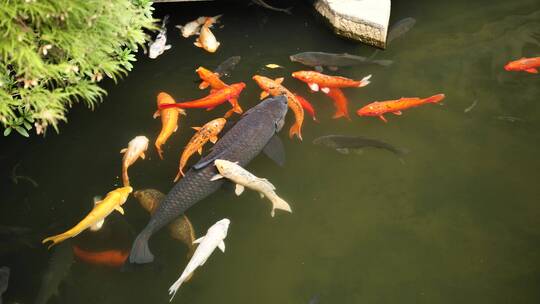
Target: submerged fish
column 206, row 39
column 58, row 269
column 529, row 65
column 316, row 81
column 111, row 258
column 275, row 88
column 399, row 28
column 344, row 144
column 379, row 108
column 340, row 102
column 169, row 120
column 4, row 280
column 243, row 142
column 191, row 28
column 509, row 118
column 469, row 108
column 158, row 46
column 333, row 61
column 180, row 229
column 207, row 244
column 277, row 9
column 226, row 67
column 136, row 148
column 208, row 132
column 243, row 178
column 113, row 201
column 308, row 107
column 211, row 79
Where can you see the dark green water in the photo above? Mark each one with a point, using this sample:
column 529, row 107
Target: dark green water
column 459, row 222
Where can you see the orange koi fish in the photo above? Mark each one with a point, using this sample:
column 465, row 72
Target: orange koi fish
column 528, row 65
column 316, row 80
column 111, row 258
column 274, row 88
column 379, row 108
column 169, row 120
column 211, row 79
column 211, row 101
column 340, row 102
column 206, row 133
column 307, row 106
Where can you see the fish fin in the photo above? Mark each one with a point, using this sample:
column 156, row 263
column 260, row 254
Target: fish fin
column 275, row 151
column 313, row 86
column 97, row 226
column 359, row 151
column 216, row 177
column 97, row 199
column 365, row 81
column 333, row 68
column 319, row 68
column 295, row 130
column 397, row 113
column 213, row 139
column 221, row 246
column 239, row 189
column 123, row 150
column 196, row 128
column 532, row 71
column 143, row 156
column 199, row 150
column 182, row 112
column 176, row 128
column 435, row 98
column 199, row 240
column 343, row 150
column 325, row 90
column 140, row 252
column 119, row 209
column 203, row 85
column 264, row 94
column 179, row 27
column 382, row 118
column 261, row 195
column 197, row 43
column 384, row 63
column 279, row 80
column 156, row 114
column 167, row 47
column 206, row 161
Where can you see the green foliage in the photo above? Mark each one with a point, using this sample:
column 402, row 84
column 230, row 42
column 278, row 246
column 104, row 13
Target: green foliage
column 53, row 53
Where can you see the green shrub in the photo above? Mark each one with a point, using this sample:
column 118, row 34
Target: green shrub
column 54, row 52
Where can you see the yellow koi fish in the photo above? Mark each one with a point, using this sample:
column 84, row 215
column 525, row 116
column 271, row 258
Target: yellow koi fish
column 113, row 201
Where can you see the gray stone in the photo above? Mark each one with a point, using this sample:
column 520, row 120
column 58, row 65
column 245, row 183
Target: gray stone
column 361, row 20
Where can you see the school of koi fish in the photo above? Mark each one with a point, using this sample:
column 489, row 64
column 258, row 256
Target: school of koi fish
column 219, row 164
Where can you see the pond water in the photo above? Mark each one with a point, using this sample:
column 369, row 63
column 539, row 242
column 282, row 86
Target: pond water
column 457, row 222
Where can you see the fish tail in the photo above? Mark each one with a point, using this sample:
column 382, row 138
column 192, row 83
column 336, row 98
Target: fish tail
column 125, row 177
column 278, row 203
column 165, row 20
column 288, row 10
column 434, row 98
column 159, row 150
column 179, row 175
column 340, row 113
column 365, row 81
column 140, row 252
column 56, row 239
column 295, row 130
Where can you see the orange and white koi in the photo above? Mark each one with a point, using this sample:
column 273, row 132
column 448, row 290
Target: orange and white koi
column 211, row 79
column 316, row 81
column 208, row 132
column 528, row 65
column 308, row 107
column 211, row 101
column 136, row 148
column 206, row 39
column 113, row 201
column 111, row 258
column 379, row 108
column 275, row 88
column 169, row 120
column 340, row 102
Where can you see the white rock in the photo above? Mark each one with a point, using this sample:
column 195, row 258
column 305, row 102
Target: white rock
column 362, row 20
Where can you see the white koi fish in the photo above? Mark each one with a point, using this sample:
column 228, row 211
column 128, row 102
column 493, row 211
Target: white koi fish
column 136, row 148
column 191, row 28
column 160, row 44
column 244, row 178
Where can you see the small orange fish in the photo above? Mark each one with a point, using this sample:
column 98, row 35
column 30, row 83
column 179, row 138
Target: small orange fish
column 111, row 258
column 169, row 120
column 274, row 88
column 379, row 108
column 341, row 103
column 211, row 101
column 307, row 106
column 206, row 133
column 528, row 65
column 316, row 81
column 211, row 79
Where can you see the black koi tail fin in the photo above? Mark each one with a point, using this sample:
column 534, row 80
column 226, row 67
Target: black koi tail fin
column 140, row 252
